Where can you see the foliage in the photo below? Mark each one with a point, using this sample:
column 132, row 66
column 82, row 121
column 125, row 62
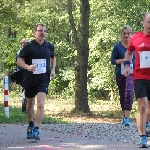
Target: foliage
column 18, row 18
column 107, row 18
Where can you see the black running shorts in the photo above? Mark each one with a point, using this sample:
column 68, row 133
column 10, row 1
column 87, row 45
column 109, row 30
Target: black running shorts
column 142, row 88
column 36, row 83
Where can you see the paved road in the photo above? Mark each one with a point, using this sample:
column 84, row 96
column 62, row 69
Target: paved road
column 13, row 137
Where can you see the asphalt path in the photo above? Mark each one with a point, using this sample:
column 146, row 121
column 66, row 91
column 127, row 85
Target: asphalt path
column 13, row 137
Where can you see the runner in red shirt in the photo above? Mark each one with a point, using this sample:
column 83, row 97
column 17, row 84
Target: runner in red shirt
column 140, row 43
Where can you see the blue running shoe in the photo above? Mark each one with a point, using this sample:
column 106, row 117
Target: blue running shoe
column 148, row 129
column 36, row 134
column 126, row 122
column 143, row 143
column 148, row 125
column 122, row 122
column 29, row 132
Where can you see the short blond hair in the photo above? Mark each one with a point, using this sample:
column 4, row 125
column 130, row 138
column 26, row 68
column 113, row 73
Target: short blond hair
column 126, row 27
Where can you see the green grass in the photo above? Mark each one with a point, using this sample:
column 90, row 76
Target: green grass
column 16, row 116
column 59, row 111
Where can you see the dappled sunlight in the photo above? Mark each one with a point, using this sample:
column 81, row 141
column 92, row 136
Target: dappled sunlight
column 101, row 111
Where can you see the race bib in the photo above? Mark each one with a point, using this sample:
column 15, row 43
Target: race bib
column 144, row 59
column 123, row 68
column 40, row 66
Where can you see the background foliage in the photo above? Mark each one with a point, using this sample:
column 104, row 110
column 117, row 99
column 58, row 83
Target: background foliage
column 107, row 17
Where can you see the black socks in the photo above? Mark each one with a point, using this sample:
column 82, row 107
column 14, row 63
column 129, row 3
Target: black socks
column 31, row 124
column 36, row 128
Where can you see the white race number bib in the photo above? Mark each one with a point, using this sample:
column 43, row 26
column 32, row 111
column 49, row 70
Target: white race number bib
column 144, row 59
column 40, row 66
column 123, row 68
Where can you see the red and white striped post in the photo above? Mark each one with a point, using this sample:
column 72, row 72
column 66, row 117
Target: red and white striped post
column 6, row 107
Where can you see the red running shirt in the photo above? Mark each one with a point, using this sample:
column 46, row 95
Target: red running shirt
column 140, row 42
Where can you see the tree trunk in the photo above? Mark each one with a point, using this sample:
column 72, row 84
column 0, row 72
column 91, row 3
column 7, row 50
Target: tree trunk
column 82, row 46
column 81, row 94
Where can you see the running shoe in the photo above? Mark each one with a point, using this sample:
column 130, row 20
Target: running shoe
column 122, row 121
column 148, row 129
column 143, row 143
column 29, row 132
column 126, row 122
column 36, row 134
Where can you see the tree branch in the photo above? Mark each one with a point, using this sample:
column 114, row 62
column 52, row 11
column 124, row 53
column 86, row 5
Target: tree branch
column 73, row 27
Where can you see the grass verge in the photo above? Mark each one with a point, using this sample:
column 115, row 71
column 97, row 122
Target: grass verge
column 59, row 111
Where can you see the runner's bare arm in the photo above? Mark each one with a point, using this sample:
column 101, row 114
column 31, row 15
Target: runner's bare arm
column 128, row 56
column 53, row 65
column 21, row 63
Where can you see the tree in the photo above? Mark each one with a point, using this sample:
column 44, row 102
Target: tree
column 82, row 46
column 106, row 18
